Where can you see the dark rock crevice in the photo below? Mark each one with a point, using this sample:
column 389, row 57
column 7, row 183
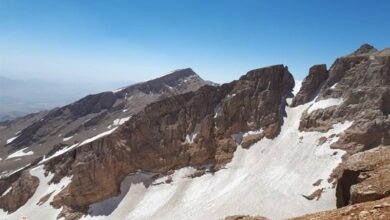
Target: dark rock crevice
column 344, row 183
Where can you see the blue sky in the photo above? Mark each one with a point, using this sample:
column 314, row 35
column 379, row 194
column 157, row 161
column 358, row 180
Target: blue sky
column 96, row 41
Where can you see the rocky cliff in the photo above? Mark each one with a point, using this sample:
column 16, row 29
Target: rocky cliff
column 92, row 115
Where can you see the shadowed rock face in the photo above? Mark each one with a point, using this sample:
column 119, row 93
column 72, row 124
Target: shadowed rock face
column 191, row 129
column 311, row 85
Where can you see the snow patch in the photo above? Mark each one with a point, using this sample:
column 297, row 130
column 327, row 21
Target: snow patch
column 20, row 153
column 7, row 191
column 297, row 87
column 11, row 139
column 259, row 131
column 89, row 140
column 191, row 137
column 334, row 86
column 58, row 153
column 322, row 104
column 118, row 90
column 67, row 138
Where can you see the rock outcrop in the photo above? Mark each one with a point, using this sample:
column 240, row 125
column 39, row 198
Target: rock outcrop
column 359, row 86
column 374, row 210
column 245, row 217
column 311, row 84
column 365, row 177
column 19, row 192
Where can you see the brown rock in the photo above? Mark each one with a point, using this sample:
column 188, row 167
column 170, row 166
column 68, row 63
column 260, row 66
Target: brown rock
column 157, row 139
column 366, row 177
column 245, row 217
column 311, row 84
column 359, row 211
column 21, row 191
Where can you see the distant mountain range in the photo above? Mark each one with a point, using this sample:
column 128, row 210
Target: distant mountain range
column 21, row 97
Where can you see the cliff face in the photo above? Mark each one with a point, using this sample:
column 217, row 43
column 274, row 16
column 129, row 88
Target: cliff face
column 40, row 133
column 193, row 129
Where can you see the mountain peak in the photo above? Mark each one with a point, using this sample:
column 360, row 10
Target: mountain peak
column 365, row 49
column 178, row 74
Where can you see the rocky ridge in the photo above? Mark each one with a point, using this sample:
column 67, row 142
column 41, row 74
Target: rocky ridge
column 90, row 116
column 203, row 128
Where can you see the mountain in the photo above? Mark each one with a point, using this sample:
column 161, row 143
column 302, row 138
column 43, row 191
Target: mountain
column 178, row 147
column 21, row 97
column 94, row 114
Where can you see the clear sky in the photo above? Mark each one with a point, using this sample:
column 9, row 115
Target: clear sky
column 96, row 40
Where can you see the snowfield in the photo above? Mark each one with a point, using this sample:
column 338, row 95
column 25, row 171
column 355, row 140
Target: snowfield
column 268, row 179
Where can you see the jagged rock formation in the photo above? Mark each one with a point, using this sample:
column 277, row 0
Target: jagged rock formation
column 310, row 86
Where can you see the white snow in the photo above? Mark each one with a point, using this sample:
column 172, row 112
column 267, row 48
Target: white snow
column 334, row 86
column 259, row 131
column 118, row 121
column 190, row 138
column 89, row 140
column 118, row 90
column 31, row 209
column 20, row 153
column 7, row 191
column 298, row 85
column 11, row 139
column 58, row 153
column 322, row 104
column 296, row 89
column 67, row 138
column 258, row 181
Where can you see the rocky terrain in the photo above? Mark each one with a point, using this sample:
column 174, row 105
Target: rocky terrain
column 261, row 145
column 35, row 135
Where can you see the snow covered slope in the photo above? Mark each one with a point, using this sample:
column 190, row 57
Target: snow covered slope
column 260, row 180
